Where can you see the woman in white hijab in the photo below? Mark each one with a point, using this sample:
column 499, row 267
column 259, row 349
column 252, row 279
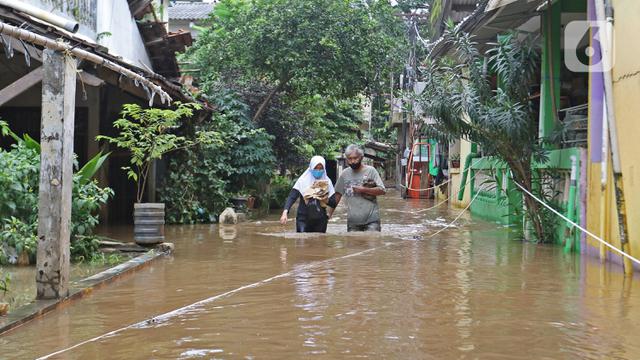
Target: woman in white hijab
column 315, row 190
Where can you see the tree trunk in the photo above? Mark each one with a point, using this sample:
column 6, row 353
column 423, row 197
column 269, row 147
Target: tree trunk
column 523, row 177
column 534, row 214
column 265, row 103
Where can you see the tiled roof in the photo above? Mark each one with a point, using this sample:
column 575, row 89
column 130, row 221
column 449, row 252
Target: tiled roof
column 190, row 10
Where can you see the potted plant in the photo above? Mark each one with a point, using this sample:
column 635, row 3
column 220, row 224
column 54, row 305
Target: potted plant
column 146, row 134
column 455, row 160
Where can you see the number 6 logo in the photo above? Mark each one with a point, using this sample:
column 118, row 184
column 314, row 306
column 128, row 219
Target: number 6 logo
column 582, row 46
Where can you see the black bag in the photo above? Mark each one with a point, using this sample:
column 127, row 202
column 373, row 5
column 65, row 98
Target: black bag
column 315, row 211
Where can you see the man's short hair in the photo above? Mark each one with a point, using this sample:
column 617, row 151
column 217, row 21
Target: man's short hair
column 353, row 148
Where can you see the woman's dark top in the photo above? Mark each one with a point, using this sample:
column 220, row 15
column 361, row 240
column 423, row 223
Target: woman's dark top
column 294, row 195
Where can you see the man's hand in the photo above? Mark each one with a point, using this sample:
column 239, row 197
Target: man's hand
column 376, row 191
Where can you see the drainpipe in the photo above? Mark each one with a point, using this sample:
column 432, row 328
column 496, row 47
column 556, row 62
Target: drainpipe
column 604, row 12
column 571, row 205
column 43, row 15
column 604, row 172
column 465, row 173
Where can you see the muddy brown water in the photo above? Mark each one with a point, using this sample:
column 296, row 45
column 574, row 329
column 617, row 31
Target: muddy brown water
column 260, row 291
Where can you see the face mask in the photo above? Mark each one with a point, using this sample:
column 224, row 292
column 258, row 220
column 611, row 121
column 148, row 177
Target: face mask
column 356, row 166
column 317, row 173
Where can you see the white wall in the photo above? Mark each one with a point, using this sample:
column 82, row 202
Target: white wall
column 114, row 17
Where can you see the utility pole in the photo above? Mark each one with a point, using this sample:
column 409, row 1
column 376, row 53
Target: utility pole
column 407, row 83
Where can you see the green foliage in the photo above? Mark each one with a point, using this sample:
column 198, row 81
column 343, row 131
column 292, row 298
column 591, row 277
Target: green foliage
column 326, row 47
column 5, row 281
column 279, row 191
column 92, row 166
column 19, row 176
column 460, row 98
column 300, row 67
column 19, row 170
column 146, row 134
column 382, row 130
column 202, row 178
column 333, row 124
column 85, row 247
column 86, row 201
column 19, row 235
column 107, row 259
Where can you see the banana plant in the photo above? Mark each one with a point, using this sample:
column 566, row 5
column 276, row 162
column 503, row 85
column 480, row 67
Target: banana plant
column 85, row 174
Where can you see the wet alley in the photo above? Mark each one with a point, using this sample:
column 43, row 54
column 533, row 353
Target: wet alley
column 258, row 290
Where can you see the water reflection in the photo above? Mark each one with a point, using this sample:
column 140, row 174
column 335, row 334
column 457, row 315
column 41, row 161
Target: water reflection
column 227, row 232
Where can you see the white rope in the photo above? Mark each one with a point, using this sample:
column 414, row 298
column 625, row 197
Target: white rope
column 578, row 226
column 434, row 206
column 429, row 188
column 457, row 217
column 470, row 180
column 176, row 312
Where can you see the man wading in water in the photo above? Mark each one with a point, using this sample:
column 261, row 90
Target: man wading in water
column 360, row 184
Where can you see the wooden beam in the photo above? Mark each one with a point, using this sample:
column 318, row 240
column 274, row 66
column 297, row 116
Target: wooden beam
column 21, row 85
column 31, row 79
column 56, row 176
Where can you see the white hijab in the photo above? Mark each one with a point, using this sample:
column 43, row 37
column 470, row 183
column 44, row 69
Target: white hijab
column 306, row 179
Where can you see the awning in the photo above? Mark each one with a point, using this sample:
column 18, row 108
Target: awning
column 490, row 19
column 494, row 4
column 140, row 82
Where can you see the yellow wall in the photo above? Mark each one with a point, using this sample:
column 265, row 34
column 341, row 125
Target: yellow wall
column 626, row 94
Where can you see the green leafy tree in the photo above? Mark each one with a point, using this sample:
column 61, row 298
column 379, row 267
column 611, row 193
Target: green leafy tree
column 460, row 98
column 336, row 47
column 147, row 135
column 203, row 177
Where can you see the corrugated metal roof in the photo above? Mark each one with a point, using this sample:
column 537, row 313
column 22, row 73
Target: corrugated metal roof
column 190, row 11
column 465, row 2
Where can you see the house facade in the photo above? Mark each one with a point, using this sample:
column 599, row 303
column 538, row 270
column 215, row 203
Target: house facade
column 602, row 159
column 129, row 57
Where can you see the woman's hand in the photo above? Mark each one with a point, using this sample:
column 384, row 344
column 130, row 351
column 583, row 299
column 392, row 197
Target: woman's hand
column 284, row 218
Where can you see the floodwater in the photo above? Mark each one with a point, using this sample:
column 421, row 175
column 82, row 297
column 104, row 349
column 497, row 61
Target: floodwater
column 259, row 291
column 23, row 285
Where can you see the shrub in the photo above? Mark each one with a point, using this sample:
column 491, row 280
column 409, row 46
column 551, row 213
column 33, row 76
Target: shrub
column 279, row 191
column 201, row 179
column 19, row 176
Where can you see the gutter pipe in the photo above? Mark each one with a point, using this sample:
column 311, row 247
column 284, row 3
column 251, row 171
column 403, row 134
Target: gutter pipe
column 46, row 16
column 571, row 205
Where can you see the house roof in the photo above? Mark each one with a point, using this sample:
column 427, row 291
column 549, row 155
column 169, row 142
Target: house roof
column 172, row 88
column 183, row 10
column 490, row 18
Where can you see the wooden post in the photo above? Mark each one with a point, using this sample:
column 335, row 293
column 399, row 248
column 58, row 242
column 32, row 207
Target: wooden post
column 56, row 161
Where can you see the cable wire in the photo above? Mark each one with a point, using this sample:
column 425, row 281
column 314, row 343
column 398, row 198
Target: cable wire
column 578, row 226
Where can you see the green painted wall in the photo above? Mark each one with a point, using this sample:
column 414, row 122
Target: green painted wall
column 503, row 202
